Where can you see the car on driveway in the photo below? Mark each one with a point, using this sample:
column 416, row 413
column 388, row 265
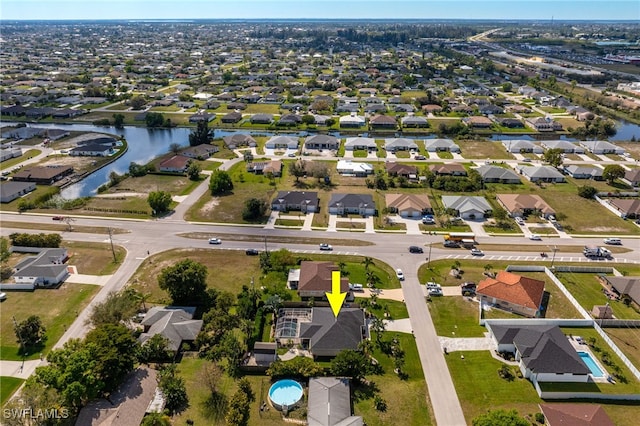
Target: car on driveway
column 535, row 237
column 415, row 249
column 215, row 241
column 252, row 252
column 326, row 247
column 476, row 252
column 399, row 274
column 519, row 220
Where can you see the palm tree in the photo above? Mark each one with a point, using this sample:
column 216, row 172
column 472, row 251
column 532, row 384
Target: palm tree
column 378, row 327
column 343, row 268
column 367, row 262
column 143, row 298
column 365, row 346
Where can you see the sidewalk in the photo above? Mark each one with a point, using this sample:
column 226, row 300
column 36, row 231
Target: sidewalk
column 13, row 368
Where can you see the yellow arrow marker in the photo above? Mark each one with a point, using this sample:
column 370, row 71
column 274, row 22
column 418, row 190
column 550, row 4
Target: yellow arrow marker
column 336, row 299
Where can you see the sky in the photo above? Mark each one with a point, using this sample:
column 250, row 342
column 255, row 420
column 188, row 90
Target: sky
column 305, row 9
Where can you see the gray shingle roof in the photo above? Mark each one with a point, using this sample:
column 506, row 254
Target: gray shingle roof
column 329, row 403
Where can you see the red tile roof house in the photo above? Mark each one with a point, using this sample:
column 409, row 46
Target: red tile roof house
column 513, row 293
column 315, row 280
column 175, row 164
column 569, row 414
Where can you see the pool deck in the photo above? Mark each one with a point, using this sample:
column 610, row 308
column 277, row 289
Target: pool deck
column 581, row 346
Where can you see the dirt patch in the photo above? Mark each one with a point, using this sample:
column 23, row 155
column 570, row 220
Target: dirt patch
column 210, row 206
column 604, row 229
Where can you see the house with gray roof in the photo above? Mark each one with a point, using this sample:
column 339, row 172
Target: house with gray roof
column 414, row 121
column 467, row 207
column 318, row 330
column 543, row 352
column 624, row 286
column 321, row 142
column 566, row 146
column 361, row 204
column 541, row 173
column 11, row 190
column 175, row 323
column 261, row 119
column 632, row 177
column 583, row 172
column 521, row 145
column 434, row 145
column 496, row 174
column 282, row 142
column 304, row 201
column 239, row 139
column 602, row 147
column 353, row 144
column 352, row 120
column 399, row 144
column 329, row 403
column 45, row 269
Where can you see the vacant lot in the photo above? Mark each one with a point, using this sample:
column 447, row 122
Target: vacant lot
column 94, row 258
column 483, row 150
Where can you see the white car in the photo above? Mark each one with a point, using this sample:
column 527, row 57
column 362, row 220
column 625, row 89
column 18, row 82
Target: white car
column 215, row 241
column 613, row 241
column 3, row 296
column 476, row 252
column 519, row 220
column 399, row 274
column 535, row 237
column 326, row 247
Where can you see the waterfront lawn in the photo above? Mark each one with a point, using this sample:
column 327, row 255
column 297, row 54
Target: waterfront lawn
column 57, row 308
column 8, row 385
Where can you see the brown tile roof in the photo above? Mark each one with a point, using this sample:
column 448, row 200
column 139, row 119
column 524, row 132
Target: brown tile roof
column 513, row 288
column 447, row 169
column 626, row 206
column 567, row 414
column 42, row 172
column 403, row 202
column 382, row 119
column 518, row 202
column 175, row 162
column 316, row 276
column 399, row 168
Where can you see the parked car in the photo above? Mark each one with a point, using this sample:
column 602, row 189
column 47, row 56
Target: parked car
column 613, row 241
column 476, row 252
column 435, row 291
column 58, row 218
column 431, row 284
column 428, row 220
column 252, row 252
column 356, row 287
column 3, row 296
column 519, row 220
column 420, row 157
column 399, row 274
column 292, row 155
column 535, row 237
column 326, row 247
column 415, row 249
column 215, row 241
column 468, row 288
column 451, row 244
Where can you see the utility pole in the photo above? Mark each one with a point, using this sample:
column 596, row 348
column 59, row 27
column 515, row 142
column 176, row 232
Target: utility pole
column 553, row 258
column 429, row 257
column 113, row 251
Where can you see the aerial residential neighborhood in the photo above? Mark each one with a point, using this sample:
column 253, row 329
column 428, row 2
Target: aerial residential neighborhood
column 321, row 222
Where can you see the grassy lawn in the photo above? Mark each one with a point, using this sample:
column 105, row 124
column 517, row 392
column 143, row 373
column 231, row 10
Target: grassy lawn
column 94, row 258
column 6, row 165
column 455, row 317
column 278, row 239
column 57, row 308
column 397, row 310
column 132, row 206
column 289, row 222
column 627, row 340
column 8, row 385
column 62, row 228
column 176, row 185
column 482, row 149
column 39, row 191
column 588, row 292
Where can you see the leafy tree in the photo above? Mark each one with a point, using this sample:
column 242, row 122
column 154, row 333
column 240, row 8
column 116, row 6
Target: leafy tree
column 254, row 209
column 116, row 308
column 297, row 169
column 5, row 272
column 156, row 419
column 220, row 182
column 587, row 191
column 155, row 349
column 173, row 388
column 247, row 156
column 174, row 148
column 612, row 172
column 36, row 240
column 319, row 170
column 507, row 87
column 4, row 249
column 37, row 399
column 299, row 367
column 137, row 102
column 350, row 363
column 30, row 332
column 118, row 120
column 186, row 282
column 193, row 171
column 500, row 418
column 159, row 201
column 137, row 170
column 553, row 157
column 238, row 412
column 308, row 119
column 201, row 134
column 154, row 119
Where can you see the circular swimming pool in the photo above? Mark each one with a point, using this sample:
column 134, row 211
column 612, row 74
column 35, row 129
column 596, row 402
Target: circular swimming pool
column 285, row 393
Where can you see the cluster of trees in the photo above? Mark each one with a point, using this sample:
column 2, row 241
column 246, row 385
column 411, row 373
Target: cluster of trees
column 316, row 169
column 159, row 201
column 597, row 128
column 139, row 170
column 254, row 209
column 470, row 183
column 220, row 183
column 156, row 119
column 36, row 240
column 30, row 334
column 238, row 413
column 201, row 134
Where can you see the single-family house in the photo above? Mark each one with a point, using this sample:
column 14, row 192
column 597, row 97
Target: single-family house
column 175, row 323
column 467, row 207
column 448, row 169
column 232, row 117
column 351, row 168
column 237, row 105
column 314, row 279
column 511, row 123
column 628, row 207
column 201, row 117
column 352, row 120
column 566, row 146
column 383, row 122
column 583, row 172
column 496, row 174
column 42, row 175
column 175, row 164
column 541, row 173
column 289, row 120
column 9, row 153
column 513, row 293
column 632, row 177
column 522, row 205
column 329, row 403
column 431, row 108
column 541, row 124
column 200, row 151
column 409, row 205
column 354, row 144
column 282, row 142
column 92, row 150
column 543, row 352
column 478, row 122
column 520, row 146
column 11, row 190
column 361, row 204
column 624, row 286
column 375, row 108
column 400, row 169
column 45, row 269
column 570, row 414
column 304, row 201
column 434, row 145
column 318, row 330
column 602, row 147
column 55, row 134
column 321, row 120
column 414, row 121
column 265, row 167
column 322, row 142
column 400, row 144
column 239, row 139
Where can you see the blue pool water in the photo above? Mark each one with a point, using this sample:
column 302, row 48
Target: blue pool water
column 595, row 370
column 285, row 392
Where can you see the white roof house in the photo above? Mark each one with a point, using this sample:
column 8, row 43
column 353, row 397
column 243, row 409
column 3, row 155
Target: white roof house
column 282, row 142
column 352, row 144
column 566, row 146
column 521, row 145
column 434, row 145
column 602, row 147
column 347, row 167
column 468, row 207
column 399, row 144
column 352, row 121
column 541, row 173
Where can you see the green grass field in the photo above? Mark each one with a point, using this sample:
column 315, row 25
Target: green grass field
column 8, row 385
